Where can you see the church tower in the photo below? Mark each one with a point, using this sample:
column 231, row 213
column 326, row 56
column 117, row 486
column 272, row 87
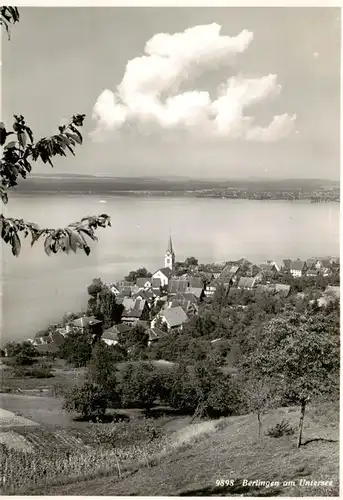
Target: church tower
column 169, row 258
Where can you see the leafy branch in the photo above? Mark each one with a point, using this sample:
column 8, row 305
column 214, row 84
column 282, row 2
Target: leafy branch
column 18, row 153
column 72, row 237
column 8, row 16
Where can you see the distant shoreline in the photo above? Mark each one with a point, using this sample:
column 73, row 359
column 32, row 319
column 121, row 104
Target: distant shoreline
column 177, row 194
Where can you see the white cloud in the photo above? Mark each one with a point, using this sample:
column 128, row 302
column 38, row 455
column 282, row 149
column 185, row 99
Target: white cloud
column 148, row 99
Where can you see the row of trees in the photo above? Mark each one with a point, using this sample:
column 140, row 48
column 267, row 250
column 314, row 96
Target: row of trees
column 292, row 358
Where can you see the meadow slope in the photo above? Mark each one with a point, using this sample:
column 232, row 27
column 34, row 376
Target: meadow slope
column 229, row 448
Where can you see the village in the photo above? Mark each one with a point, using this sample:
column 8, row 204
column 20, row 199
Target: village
column 162, row 302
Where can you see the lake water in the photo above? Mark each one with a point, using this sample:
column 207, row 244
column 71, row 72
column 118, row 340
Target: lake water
column 37, row 289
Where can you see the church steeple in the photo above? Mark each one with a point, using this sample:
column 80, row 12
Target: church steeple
column 169, row 258
column 170, row 245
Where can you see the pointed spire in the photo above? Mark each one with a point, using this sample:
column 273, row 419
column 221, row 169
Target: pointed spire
column 170, row 245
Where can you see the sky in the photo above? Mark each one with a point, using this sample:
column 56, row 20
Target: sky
column 198, row 92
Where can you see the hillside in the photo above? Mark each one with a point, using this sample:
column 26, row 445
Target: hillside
column 227, row 449
column 103, row 185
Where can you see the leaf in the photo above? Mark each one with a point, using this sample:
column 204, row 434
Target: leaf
column 16, row 245
column 22, row 139
column 3, row 195
column 2, row 134
column 87, row 249
column 47, row 244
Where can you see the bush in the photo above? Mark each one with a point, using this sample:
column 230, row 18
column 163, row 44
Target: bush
column 40, row 371
column 281, row 429
column 88, row 400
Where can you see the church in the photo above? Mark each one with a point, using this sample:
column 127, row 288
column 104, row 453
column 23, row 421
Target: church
column 166, row 272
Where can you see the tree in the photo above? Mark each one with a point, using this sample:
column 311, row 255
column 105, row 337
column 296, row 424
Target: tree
column 258, row 397
column 300, row 354
column 139, row 273
column 103, row 371
column 22, row 353
column 191, row 261
column 102, row 303
column 89, row 400
column 18, row 156
column 76, row 348
column 135, row 340
column 139, row 385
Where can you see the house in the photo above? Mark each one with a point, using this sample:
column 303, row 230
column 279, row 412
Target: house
column 211, row 288
column 196, row 282
column 282, row 290
column 312, row 273
column 268, row 270
column 135, row 310
column 155, row 334
column 246, row 283
column 333, row 291
column 187, row 301
column 331, row 294
column 298, row 268
column 87, row 322
column 164, row 275
column 286, row 265
column 173, row 318
column 177, row 286
column 198, row 292
column 144, row 283
column 110, row 336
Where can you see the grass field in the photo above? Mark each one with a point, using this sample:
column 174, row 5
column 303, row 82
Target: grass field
column 198, row 455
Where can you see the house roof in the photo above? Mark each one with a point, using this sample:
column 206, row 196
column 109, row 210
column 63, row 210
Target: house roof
column 312, row 272
column 197, row 292
column 333, row 290
column 190, row 297
column 297, row 265
column 175, row 316
column 265, row 266
column 196, row 282
column 110, row 334
column 156, row 333
column 282, row 289
column 57, row 338
column 177, row 286
column 166, row 271
column 246, row 282
column 141, row 282
column 85, row 321
column 287, row 263
column 133, row 307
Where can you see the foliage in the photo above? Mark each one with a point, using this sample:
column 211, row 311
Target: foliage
column 21, row 353
column 142, row 272
column 300, row 353
column 18, row 155
column 139, row 385
column 102, row 370
column 42, row 370
column 102, row 304
column 191, row 261
column 8, row 16
column 282, row 429
column 88, row 400
column 258, row 397
column 76, row 348
column 135, row 340
column 202, row 389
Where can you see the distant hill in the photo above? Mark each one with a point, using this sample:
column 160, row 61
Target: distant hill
column 103, row 184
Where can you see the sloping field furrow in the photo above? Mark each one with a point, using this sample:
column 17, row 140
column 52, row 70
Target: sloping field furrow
column 10, row 419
